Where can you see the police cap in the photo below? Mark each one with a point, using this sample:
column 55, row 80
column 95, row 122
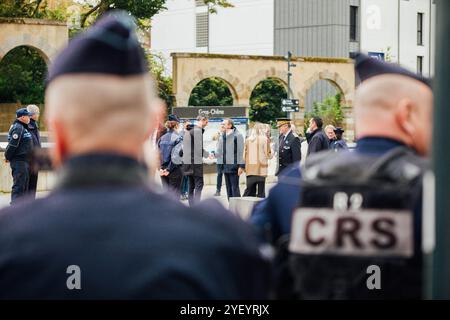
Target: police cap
column 367, row 67
column 283, row 121
column 23, row 112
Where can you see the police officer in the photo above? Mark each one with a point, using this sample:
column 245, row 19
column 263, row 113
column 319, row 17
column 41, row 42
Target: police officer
column 17, row 153
column 33, row 127
column 170, row 149
column 104, row 231
column 289, row 150
column 363, row 208
column 338, row 143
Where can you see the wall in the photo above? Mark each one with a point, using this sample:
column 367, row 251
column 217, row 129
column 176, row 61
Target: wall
column 8, row 115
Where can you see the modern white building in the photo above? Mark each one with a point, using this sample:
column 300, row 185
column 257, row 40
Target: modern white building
column 397, row 30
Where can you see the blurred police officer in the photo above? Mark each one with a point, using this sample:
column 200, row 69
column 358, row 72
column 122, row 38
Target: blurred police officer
column 33, row 127
column 18, row 152
column 103, row 232
column 289, row 150
column 360, row 212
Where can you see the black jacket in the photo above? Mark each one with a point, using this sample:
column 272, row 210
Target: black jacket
column 20, row 142
column 317, row 141
column 33, row 128
column 230, row 152
column 289, row 151
column 193, row 152
column 129, row 242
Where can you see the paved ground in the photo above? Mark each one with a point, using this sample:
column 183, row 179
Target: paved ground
column 208, row 191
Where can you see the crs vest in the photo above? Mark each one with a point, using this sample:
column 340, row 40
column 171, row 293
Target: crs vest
column 356, row 233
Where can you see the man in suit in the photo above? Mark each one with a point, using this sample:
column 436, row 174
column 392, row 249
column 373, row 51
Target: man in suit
column 193, row 154
column 104, row 232
column 289, row 150
column 33, row 127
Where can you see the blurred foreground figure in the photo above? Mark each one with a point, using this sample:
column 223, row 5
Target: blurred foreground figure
column 103, row 233
column 357, row 233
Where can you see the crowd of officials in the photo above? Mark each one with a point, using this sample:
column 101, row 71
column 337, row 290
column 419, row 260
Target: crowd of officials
column 312, row 237
column 181, row 161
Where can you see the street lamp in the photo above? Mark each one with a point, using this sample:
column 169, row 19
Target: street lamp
column 289, row 74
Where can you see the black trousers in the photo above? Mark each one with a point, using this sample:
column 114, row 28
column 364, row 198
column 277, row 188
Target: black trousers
column 253, row 183
column 195, row 189
column 21, row 176
column 232, row 184
column 32, row 184
column 219, row 177
column 173, row 180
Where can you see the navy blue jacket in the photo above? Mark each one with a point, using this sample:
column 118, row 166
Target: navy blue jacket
column 166, row 145
column 230, row 152
column 20, row 142
column 129, row 242
column 273, row 215
column 317, row 141
column 33, row 128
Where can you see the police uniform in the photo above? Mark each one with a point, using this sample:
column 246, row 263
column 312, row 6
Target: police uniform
column 104, row 233
column 289, row 148
column 18, row 154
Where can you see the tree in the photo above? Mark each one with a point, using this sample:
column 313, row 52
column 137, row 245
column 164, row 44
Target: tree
column 329, row 110
column 22, row 76
column 211, row 92
column 30, row 9
column 265, row 101
column 142, row 10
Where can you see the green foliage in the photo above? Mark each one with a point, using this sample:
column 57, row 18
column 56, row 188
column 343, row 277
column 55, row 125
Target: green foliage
column 211, row 92
column 163, row 82
column 22, row 76
column 30, row 9
column 330, row 110
column 265, row 101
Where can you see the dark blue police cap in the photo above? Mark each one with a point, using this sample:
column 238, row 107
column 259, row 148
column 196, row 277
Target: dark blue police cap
column 367, row 67
column 110, row 46
column 173, row 117
column 339, row 130
column 23, row 112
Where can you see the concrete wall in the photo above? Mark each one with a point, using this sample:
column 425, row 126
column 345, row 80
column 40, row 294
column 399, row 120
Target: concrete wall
column 46, row 179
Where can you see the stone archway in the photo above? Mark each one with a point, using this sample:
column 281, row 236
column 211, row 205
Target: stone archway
column 244, row 72
column 227, row 83
column 232, row 83
column 47, row 37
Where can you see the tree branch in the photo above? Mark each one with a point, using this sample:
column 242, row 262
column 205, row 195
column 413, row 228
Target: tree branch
column 87, row 14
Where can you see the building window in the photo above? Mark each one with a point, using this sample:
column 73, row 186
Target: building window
column 419, row 64
column 202, row 31
column 353, row 23
column 420, row 29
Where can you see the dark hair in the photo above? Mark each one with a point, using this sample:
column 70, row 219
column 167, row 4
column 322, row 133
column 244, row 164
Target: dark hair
column 318, row 121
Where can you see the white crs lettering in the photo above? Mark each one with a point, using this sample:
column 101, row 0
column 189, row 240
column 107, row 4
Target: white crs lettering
column 363, row 233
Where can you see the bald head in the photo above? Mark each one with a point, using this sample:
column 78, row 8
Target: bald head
column 99, row 113
column 397, row 107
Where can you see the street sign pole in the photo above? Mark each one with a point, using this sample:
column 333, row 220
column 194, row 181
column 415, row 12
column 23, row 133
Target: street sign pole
column 289, row 74
column 439, row 275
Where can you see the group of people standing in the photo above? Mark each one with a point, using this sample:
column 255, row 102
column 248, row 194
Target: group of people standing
column 23, row 137
column 182, row 153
